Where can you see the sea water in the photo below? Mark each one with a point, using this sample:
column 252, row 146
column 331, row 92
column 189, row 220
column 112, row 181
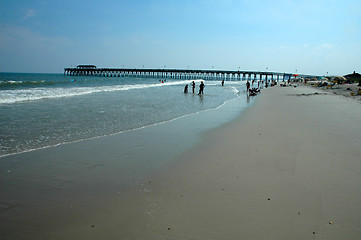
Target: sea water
column 42, row 110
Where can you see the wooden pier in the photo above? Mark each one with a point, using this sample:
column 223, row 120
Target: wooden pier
column 91, row 70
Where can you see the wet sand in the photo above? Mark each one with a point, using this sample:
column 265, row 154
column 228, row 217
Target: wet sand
column 288, row 168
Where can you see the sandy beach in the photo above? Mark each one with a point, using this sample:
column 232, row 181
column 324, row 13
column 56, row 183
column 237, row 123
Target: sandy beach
column 288, row 168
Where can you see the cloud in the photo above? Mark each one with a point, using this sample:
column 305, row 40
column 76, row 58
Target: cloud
column 29, row 13
column 326, row 46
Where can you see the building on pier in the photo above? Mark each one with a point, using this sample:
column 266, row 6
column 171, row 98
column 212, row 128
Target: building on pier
column 86, row 67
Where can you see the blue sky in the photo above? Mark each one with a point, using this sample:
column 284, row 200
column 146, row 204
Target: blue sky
column 312, row 37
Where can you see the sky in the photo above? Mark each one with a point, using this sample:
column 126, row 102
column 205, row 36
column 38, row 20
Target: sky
column 321, row 37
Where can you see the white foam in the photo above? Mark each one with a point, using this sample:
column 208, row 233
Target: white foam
column 33, row 94
column 235, row 90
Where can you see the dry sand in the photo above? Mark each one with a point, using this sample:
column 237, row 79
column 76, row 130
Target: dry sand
column 288, row 168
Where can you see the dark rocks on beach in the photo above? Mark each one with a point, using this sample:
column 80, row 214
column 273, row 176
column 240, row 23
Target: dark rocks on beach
column 308, row 94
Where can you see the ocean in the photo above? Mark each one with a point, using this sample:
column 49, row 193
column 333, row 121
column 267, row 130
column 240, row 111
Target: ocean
column 43, row 110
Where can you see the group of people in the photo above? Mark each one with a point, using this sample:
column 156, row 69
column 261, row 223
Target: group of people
column 193, row 84
column 253, row 91
column 250, row 91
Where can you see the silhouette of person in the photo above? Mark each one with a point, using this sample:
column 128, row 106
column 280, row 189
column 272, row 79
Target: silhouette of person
column 186, row 88
column 193, row 86
column 248, row 86
column 222, row 83
column 201, row 87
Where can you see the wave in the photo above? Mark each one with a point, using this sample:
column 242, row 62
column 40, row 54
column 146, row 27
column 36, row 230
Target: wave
column 33, row 94
column 28, row 83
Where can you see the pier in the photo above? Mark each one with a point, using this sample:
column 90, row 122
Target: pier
column 92, row 70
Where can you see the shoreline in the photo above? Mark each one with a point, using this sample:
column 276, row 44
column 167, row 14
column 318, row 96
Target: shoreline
column 287, row 168
column 116, row 133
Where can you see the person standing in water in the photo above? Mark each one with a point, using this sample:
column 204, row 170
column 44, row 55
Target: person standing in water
column 201, row 87
column 193, row 86
column 186, row 88
column 222, row 83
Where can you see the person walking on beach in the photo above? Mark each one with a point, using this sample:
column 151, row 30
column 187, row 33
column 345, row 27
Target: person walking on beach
column 222, row 83
column 193, row 86
column 201, row 87
column 248, row 86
